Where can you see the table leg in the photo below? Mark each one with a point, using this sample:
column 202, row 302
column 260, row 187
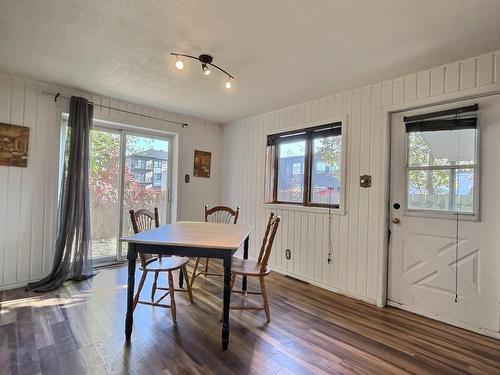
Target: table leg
column 226, row 302
column 181, row 278
column 129, row 318
column 245, row 256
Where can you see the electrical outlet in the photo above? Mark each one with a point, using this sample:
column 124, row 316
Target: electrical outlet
column 288, row 254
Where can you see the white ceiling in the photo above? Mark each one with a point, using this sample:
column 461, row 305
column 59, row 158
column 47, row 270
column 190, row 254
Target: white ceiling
column 282, row 52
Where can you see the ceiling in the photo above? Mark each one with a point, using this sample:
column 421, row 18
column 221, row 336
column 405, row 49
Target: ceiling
column 282, row 52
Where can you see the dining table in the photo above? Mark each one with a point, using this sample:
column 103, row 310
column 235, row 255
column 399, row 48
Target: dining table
column 189, row 239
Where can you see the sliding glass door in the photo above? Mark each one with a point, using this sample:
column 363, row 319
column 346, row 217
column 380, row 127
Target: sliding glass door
column 146, row 182
column 128, row 170
column 104, row 183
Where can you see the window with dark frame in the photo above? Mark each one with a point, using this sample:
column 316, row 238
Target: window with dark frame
column 304, row 166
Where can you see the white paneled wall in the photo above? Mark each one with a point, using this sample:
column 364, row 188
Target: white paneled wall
column 359, row 237
column 28, row 196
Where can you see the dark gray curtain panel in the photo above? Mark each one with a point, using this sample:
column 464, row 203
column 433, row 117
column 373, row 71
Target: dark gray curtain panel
column 72, row 257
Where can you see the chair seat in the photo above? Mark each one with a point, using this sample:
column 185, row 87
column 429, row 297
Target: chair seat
column 247, row 267
column 166, row 264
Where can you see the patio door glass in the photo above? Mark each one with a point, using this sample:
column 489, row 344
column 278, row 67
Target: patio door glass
column 127, row 171
column 104, row 184
column 147, row 177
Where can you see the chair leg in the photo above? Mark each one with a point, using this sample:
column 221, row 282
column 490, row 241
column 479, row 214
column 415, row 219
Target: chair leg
column 264, row 296
column 139, row 288
column 172, row 298
column 194, row 270
column 206, row 266
column 233, row 280
column 153, row 289
column 188, row 285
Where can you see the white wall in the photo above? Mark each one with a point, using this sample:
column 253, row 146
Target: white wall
column 28, row 196
column 359, row 237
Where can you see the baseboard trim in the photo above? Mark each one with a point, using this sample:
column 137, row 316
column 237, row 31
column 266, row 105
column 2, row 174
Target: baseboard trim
column 324, row 286
column 17, row 284
column 452, row 322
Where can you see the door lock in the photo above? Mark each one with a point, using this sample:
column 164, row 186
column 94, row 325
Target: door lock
column 396, row 220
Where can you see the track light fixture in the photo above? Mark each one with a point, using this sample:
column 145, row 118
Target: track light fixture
column 206, row 63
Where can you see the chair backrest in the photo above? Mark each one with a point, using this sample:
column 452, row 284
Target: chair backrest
column 143, row 220
column 221, row 214
column 267, row 243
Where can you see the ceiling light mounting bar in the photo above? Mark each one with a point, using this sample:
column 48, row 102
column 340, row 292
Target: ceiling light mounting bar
column 204, row 59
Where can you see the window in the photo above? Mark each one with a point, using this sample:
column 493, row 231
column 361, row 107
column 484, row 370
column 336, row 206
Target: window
column 140, row 163
column 304, row 166
column 442, row 165
column 297, row 168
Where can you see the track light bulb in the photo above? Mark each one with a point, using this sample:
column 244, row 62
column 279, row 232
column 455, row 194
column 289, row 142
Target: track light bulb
column 179, row 65
column 228, row 84
column 205, row 69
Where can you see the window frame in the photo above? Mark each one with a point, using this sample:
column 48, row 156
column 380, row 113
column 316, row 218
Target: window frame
column 306, row 132
column 447, row 214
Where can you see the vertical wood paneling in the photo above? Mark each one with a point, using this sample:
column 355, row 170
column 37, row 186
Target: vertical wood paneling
column 398, row 90
column 468, row 74
column 452, row 77
column 423, row 84
column 485, row 70
column 358, row 238
column 36, row 157
column 14, row 189
column 437, row 81
column 27, row 174
column 377, row 184
column 344, row 220
column 364, row 194
column 5, row 98
column 410, row 88
column 354, row 143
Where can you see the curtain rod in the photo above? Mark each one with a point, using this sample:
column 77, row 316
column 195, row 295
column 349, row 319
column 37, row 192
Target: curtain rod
column 58, row 95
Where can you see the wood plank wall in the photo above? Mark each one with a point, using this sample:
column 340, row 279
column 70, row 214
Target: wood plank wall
column 358, row 236
column 28, row 196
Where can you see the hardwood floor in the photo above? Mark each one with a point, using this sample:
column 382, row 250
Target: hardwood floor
column 80, row 329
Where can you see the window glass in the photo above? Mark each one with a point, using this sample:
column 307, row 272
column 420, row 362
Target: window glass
column 291, row 159
column 441, row 170
column 429, row 190
column 325, row 178
column 445, row 147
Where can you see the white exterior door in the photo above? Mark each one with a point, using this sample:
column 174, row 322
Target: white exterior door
column 445, row 219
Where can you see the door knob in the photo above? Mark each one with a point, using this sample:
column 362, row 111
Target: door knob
column 396, row 220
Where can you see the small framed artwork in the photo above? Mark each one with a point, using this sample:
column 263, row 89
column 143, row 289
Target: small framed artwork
column 202, row 160
column 14, row 145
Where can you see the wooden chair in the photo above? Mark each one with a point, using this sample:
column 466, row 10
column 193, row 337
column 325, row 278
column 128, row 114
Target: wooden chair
column 145, row 220
column 259, row 268
column 218, row 214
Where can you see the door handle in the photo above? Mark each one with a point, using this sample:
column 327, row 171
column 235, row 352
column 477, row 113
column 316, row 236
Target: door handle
column 396, row 220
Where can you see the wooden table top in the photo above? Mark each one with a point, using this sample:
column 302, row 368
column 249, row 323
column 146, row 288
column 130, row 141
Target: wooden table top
column 195, row 234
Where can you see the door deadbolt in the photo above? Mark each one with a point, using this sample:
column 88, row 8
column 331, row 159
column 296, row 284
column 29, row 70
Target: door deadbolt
column 396, row 220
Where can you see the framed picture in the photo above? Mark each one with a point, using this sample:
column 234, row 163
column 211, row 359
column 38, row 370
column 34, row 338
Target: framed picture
column 14, row 145
column 202, row 160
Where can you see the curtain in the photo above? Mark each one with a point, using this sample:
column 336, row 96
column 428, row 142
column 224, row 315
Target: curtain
column 72, row 256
